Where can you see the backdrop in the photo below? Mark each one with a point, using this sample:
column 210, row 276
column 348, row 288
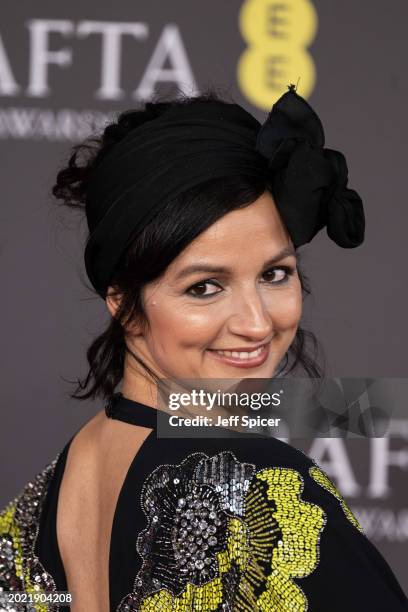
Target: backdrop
column 65, row 69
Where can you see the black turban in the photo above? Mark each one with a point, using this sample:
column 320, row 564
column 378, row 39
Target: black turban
column 187, row 145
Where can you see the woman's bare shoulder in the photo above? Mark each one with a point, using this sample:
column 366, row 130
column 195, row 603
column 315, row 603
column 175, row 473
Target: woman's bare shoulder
column 99, row 452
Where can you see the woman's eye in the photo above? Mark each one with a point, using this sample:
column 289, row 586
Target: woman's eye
column 198, row 290
column 278, row 275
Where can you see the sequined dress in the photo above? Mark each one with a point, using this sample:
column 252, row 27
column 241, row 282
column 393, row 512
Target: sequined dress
column 218, row 524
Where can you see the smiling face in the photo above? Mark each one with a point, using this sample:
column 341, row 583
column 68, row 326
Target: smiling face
column 228, row 306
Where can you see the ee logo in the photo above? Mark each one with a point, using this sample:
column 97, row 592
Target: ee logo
column 278, row 34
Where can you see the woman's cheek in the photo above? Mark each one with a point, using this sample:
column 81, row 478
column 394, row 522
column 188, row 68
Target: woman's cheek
column 200, row 315
column 284, row 310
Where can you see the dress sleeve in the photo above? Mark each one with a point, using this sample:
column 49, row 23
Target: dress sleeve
column 351, row 573
column 20, row 568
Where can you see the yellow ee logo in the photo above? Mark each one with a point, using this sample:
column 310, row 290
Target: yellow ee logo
column 278, row 33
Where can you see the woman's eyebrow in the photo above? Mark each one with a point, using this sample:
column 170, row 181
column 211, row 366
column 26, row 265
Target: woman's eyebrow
column 285, row 252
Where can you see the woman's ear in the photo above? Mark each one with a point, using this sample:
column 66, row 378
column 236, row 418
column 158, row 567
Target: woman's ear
column 113, row 300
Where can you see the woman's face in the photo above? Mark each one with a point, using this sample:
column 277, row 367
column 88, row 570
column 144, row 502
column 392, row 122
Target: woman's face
column 234, row 290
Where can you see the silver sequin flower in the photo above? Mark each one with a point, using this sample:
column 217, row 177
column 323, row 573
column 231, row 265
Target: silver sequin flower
column 187, row 507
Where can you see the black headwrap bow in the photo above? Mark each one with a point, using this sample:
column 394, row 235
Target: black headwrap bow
column 187, row 145
column 309, row 181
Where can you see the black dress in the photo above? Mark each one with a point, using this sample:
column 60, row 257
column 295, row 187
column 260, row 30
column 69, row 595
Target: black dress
column 226, row 524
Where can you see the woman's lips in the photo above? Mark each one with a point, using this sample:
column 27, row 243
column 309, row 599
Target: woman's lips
column 243, row 362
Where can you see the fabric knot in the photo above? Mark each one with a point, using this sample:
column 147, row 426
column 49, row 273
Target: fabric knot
column 345, row 213
column 309, row 181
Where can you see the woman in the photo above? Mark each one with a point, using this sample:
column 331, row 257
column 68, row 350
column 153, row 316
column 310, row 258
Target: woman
column 195, row 214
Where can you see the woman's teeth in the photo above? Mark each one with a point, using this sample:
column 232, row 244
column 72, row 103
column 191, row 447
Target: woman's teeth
column 241, row 354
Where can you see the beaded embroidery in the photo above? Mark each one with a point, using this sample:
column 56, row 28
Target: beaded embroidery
column 20, row 568
column 220, row 536
column 324, row 481
column 223, row 536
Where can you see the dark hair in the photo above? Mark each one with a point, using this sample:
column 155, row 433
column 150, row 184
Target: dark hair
column 153, row 249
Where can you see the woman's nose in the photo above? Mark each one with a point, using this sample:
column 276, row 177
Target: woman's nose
column 249, row 316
